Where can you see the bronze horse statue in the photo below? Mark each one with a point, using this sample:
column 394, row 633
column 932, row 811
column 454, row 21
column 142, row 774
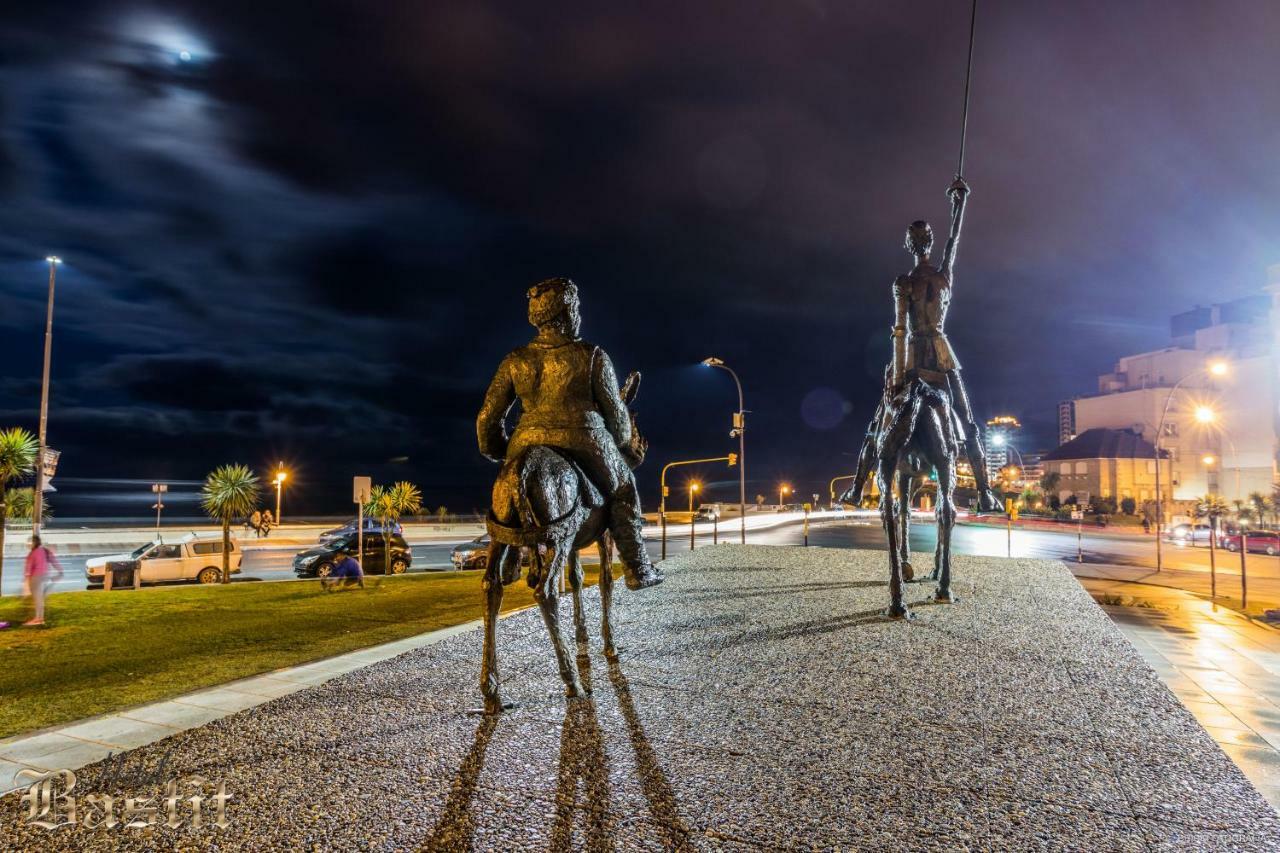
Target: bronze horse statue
column 546, row 503
column 913, row 432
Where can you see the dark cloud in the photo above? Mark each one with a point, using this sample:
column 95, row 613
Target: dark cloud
column 313, row 235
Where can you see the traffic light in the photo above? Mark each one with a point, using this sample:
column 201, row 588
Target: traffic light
column 666, row 491
column 733, row 459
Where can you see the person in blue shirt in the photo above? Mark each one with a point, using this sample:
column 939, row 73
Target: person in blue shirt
column 346, row 572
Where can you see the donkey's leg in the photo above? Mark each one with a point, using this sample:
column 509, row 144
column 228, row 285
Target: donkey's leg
column 548, row 597
column 904, row 521
column 605, row 545
column 946, row 521
column 575, row 586
column 897, row 610
column 489, row 681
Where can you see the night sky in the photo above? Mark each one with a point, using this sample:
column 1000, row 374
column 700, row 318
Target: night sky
column 303, row 231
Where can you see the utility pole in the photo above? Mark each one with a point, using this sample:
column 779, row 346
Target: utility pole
column 739, row 430
column 37, row 504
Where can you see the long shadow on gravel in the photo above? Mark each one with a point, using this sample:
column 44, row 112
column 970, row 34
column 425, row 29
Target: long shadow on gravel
column 653, row 780
column 582, row 764
column 457, row 826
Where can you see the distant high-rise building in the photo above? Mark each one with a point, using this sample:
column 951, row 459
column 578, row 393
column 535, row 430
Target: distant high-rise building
column 1000, row 435
column 1066, row 421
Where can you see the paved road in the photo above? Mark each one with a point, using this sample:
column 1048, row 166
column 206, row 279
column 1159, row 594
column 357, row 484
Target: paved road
column 275, row 564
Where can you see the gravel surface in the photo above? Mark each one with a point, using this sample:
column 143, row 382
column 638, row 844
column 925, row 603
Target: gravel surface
column 761, row 701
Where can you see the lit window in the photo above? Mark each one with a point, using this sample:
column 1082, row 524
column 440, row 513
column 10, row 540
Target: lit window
column 1082, row 467
column 1064, row 468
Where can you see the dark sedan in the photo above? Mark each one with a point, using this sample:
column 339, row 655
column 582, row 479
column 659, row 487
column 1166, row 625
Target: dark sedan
column 318, row 562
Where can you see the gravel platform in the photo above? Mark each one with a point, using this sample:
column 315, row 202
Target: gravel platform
column 761, row 701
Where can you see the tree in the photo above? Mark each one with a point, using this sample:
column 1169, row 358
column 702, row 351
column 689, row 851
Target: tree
column 230, row 493
column 18, row 452
column 388, row 504
column 1211, row 507
column 442, row 513
column 1049, row 481
column 1258, row 502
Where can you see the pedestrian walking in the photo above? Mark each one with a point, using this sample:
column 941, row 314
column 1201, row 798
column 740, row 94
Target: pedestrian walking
column 36, row 580
column 268, row 521
column 346, row 573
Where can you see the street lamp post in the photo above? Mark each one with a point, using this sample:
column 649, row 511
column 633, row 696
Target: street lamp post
column 37, row 503
column 281, row 476
column 693, row 490
column 739, row 428
column 783, row 491
column 1217, row 368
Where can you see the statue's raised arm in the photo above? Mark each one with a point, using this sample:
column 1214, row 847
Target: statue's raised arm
column 958, row 192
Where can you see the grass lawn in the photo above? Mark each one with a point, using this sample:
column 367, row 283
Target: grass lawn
column 103, row 651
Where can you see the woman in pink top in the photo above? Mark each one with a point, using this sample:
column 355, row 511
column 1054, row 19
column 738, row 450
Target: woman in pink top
column 36, row 577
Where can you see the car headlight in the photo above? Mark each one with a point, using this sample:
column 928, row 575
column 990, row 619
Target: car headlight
column 307, row 559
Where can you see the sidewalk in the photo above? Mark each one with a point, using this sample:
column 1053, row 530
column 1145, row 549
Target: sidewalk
column 1264, row 592
column 1224, row 668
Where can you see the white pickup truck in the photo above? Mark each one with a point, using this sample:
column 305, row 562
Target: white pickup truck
column 194, row 557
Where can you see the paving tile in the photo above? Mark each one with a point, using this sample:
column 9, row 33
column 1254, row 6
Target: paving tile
column 221, row 699
column 118, row 732
column 28, row 750
column 173, row 714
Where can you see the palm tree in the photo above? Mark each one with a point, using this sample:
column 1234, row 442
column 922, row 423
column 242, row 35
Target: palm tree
column 1212, row 507
column 18, row 451
column 389, row 504
column 229, row 493
column 1049, row 482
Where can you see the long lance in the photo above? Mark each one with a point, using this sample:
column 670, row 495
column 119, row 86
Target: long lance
column 968, row 77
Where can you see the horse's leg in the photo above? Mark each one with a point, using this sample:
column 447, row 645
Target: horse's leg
column 946, row 521
column 548, row 597
column 904, row 521
column 897, row 610
column 605, row 545
column 575, row 585
column 489, row 681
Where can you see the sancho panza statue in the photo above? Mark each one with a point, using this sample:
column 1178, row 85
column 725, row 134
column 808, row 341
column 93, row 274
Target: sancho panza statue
column 570, row 401
column 920, row 346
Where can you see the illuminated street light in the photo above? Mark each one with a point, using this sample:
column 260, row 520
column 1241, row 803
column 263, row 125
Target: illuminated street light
column 1217, row 367
column 37, row 504
column 739, row 429
column 1208, row 459
column 783, row 491
column 998, row 440
column 281, row 476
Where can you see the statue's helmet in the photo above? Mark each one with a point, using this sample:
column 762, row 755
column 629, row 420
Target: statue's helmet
column 919, row 240
column 554, row 301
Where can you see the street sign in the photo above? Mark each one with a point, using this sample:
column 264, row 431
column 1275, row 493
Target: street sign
column 159, row 488
column 51, row 461
column 360, row 488
column 1077, row 515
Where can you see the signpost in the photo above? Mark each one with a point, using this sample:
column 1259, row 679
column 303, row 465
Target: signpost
column 360, row 488
column 159, row 489
column 1078, row 516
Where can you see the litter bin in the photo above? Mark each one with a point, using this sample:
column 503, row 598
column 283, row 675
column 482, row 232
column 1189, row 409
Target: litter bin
column 122, row 576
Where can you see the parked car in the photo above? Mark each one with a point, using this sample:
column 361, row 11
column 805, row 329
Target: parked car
column 708, row 512
column 197, row 558
column 372, row 527
column 475, row 554
column 1260, row 542
column 318, row 562
column 1190, row 533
